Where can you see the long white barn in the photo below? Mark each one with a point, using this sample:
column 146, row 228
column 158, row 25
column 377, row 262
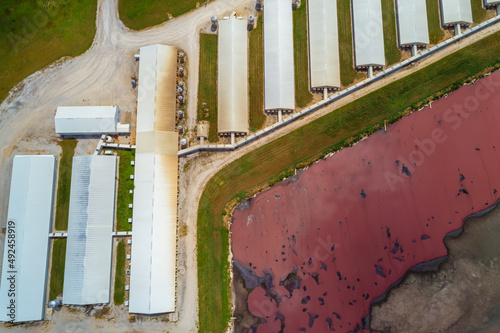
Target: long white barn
column 25, row 258
column 323, row 44
column 279, row 85
column 456, row 12
column 87, row 274
column 368, row 33
column 154, row 226
column 412, row 23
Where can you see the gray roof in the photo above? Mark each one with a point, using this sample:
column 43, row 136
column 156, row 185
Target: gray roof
column 412, row 22
column 91, row 216
column 368, row 33
column 30, row 212
column 456, row 11
column 323, row 43
column 279, row 85
column 86, row 120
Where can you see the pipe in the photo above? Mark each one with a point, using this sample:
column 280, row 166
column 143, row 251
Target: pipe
column 458, row 29
column 370, row 71
column 414, row 50
column 279, row 116
column 325, row 93
column 202, row 140
column 498, row 10
column 232, row 138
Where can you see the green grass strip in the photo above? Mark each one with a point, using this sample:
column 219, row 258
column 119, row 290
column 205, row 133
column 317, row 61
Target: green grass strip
column 256, row 76
column 120, row 274
column 302, row 94
column 478, row 11
column 64, row 183
column 347, row 72
column 279, row 158
column 207, row 84
column 57, row 269
column 392, row 51
column 125, row 184
column 436, row 34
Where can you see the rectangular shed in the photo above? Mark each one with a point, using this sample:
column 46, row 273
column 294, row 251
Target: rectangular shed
column 456, row 12
column 279, row 85
column 412, row 23
column 26, row 251
column 232, row 81
column 323, row 44
column 368, row 33
column 87, row 273
column 89, row 120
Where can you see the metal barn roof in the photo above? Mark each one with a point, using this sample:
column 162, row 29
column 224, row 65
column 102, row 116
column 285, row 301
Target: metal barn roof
column 86, row 120
column 87, row 273
column 30, row 210
column 156, row 102
column 412, row 22
column 323, row 44
column 368, row 33
column 154, row 228
column 232, row 111
column 456, row 11
column 492, row 2
column 279, row 86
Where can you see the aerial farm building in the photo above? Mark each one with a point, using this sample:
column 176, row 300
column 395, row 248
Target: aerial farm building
column 89, row 120
column 413, row 30
column 456, row 13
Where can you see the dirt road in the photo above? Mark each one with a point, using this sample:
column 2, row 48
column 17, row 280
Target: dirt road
column 101, row 77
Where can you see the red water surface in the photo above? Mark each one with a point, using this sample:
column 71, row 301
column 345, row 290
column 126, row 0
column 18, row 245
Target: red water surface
column 363, row 217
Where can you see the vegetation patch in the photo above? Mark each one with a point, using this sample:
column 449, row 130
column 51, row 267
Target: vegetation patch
column 256, row 76
column 392, row 51
column 120, row 274
column 125, row 185
column 207, row 84
column 280, row 158
column 34, row 34
column 347, row 72
column 64, row 183
column 301, row 58
column 436, row 34
column 57, row 269
column 478, row 11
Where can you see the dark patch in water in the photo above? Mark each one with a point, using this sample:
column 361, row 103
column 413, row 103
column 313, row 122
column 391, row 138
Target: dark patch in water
column 321, row 301
column 305, row 299
column 245, row 204
column 315, row 276
column 250, row 279
column 379, row 271
column 424, row 237
column 323, row 266
column 388, row 232
column 339, row 275
column 462, row 178
column 405, row 170
column 339, row 317
column 291, row 282
column 312, row 318
column 363, row 194
column 395, row 248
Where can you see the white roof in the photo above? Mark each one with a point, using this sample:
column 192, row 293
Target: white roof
column 156, row 101
column 279, row 91
column 492, row 2
column 86, row 120
column 232, row 111
column 412, row 22
column 323, row 44
column 456, row 11
column 30, row 210
column 87, row 273
column 368, row 33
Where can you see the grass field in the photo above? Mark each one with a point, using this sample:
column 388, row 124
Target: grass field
column 141, row 14
column 347, row 72
column 64, row 183
column 120, row 274
column 436, row 34
column 34, row 34
column 207, row 84
column 302, row 94
column 478, row 11
column 392, row 51
column 57, row 269
column 279, row 158
column 256, row 76
column 125, row 184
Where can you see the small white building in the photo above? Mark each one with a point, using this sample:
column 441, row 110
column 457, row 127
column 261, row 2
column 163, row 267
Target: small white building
column 456, row 12
column 26, row 251
column 89, row 120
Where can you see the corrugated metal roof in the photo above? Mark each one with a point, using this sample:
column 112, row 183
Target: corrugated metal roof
column 81, row 120
column 412, row 22
column 368, row 33
column 492, row 2
column 30, row 208
column 233, row 77
column 154, row 227
column 87, row 273
column 323, row 44
column 279, row 84
column 157, row 88
column 456, row 11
